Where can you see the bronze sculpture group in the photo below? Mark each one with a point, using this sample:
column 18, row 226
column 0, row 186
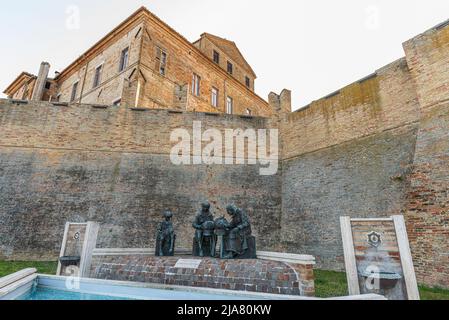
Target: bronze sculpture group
column 234, row 238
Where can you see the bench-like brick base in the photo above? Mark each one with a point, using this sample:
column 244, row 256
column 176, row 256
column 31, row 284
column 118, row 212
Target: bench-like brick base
column 243, row 275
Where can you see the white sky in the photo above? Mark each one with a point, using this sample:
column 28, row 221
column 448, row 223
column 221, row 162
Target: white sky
column 310, row 47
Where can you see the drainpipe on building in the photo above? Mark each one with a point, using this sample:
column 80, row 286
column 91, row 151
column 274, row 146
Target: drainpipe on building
column 138, row 70
column 225, row 96
column 136, row 104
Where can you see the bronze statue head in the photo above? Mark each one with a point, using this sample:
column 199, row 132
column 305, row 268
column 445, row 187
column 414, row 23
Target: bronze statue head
column 205, row 206
column 168, row 215
column 231, row 209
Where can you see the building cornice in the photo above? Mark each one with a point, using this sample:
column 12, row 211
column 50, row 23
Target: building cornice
column 130, row 22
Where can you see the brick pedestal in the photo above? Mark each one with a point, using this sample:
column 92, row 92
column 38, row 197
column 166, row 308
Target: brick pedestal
column 242, row 275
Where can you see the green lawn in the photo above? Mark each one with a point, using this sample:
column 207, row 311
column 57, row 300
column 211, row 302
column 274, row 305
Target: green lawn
column 330, row 284
column 8, row 267
column 433, row 293
column 333, row 284
column 327, row 283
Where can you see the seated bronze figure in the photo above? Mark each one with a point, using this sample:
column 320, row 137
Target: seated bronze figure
column 239, row 242
column 234, row 238
column 204, row 243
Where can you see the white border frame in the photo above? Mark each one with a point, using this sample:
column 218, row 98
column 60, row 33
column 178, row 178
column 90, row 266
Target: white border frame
column 350, row 262
column 89, row 245
column 406, row 258
column 64, row 243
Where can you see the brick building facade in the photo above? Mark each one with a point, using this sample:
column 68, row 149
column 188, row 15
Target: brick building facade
column 145, row 63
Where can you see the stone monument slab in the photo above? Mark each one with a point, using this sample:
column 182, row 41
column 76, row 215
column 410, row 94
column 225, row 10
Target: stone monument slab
column 378, row 258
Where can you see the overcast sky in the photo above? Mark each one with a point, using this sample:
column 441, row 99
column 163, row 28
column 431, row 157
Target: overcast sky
column 311, row 47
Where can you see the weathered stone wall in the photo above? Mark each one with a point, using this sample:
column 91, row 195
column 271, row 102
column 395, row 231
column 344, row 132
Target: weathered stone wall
column 381, row 102
column 375, row 148
column 427, row 212
column 347, row 155
column 361, row 178
column 79, row 163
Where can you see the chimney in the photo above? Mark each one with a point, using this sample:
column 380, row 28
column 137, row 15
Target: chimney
column 281, row 105
column 40, row 82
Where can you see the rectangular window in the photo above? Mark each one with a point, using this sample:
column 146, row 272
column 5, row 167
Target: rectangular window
column 47, row 85
column 230, row 68
column 229, row 105
column 74, row 92
column 248, row 82
column 196, row 85
column 214, row 99
column 216, row 57
column 97, row 77
column 161, row 61
column 124, row 60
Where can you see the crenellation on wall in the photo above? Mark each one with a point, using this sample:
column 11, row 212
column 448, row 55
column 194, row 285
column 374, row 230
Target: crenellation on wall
column 361, row 109
column 428, row 58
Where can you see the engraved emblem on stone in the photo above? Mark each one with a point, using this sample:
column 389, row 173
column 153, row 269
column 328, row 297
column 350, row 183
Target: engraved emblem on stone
column 77, row 236
column 374, row 239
